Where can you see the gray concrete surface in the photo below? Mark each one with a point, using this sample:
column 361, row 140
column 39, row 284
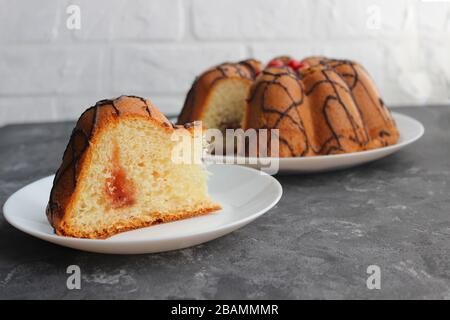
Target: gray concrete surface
column 316, row 243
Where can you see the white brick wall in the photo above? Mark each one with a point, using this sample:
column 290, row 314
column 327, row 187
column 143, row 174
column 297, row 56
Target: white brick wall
column 155, row 48
column 251, row 19
column 166, row 68
column 141, row 20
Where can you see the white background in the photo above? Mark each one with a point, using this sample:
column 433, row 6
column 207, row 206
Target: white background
column 155, row 48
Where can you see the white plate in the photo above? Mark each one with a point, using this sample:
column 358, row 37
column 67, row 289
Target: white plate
column 244, row 194
column 410, row 131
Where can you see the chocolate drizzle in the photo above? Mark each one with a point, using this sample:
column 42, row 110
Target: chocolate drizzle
column 349, row 116
column 251, row 66
column 342, row 86
column 330, row 72
column 339, row 66
column 80, row 140
column 227, row 70
column 274, row 77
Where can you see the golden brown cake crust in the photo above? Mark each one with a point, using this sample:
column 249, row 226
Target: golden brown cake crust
column 89, row 123
column 136, row 224
column 326, row 107
column 194, row 105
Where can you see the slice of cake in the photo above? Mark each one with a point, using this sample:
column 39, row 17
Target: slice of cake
column 120, row 171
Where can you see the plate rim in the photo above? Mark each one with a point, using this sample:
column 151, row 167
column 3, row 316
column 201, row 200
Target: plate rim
column 421, row 132
column 62, row 239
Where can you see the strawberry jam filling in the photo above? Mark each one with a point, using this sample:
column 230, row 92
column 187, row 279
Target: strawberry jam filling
column 119, row 188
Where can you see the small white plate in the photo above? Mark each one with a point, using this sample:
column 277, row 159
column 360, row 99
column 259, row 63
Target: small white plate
column 244, row 194
column 410, row 131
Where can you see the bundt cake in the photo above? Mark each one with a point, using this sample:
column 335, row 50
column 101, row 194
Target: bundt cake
column 218, row 96
column 118, row 172
column 320, row 106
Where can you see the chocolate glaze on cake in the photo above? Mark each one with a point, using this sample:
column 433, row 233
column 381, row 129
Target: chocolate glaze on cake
column 327, row 107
